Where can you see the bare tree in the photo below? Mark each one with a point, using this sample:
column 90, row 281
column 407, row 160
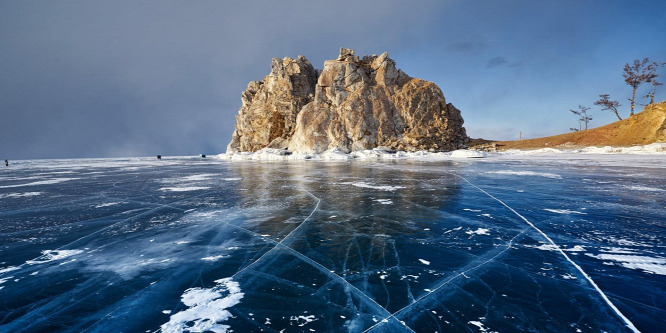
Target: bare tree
column 608, row 105
column 635, row 75
column 583, row 118
column 652, row 78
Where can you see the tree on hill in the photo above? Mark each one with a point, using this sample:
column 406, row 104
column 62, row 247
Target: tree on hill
column 608, row 105
column 635, row 75
column 583, row 118
column 652, row 78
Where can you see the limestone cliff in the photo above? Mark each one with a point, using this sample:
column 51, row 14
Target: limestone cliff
column 353, row 104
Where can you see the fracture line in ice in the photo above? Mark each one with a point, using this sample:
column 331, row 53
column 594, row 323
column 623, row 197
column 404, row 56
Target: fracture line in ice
column 451, row 278
column 65, row 247
column 283, row 239
column 587, row 277
column 321, row 268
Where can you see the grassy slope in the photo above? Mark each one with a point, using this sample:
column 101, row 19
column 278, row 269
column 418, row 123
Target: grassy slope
column 642, row 128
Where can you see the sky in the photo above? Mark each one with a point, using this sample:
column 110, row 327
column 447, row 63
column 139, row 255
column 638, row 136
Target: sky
column 141, row 78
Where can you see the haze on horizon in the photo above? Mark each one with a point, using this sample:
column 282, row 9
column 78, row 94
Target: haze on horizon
column 140, row 78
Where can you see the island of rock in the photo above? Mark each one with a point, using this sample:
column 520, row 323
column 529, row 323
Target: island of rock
column 352, row 104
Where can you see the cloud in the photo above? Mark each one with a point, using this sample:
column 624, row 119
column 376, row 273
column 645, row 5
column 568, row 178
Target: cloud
column 496, row 61
column 501, row 61
column 128, row 78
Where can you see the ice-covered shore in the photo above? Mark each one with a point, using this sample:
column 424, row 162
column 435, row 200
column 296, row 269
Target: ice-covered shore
column 381, row 153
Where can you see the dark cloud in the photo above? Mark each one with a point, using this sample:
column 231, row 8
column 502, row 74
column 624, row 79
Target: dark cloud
column 496, row 61
column 501, row 61
column 124, row 78
column 119, row 78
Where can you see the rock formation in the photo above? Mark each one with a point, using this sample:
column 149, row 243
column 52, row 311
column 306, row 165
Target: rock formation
column 353, row 104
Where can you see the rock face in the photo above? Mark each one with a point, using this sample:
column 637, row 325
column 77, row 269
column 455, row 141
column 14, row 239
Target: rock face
column 353, row 104
column 267, row 117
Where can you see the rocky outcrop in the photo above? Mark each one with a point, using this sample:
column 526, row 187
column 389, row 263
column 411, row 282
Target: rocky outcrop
column 267, row 117
column 353, row 104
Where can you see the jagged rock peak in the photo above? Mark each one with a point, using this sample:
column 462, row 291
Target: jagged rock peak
column 352, row 104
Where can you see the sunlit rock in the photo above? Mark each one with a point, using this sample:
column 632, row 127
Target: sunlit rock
column 353, row 105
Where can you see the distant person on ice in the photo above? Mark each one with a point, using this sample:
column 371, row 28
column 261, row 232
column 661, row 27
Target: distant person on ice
column 6, row 162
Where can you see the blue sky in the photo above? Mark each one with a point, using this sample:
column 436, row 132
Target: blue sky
column 140, row 78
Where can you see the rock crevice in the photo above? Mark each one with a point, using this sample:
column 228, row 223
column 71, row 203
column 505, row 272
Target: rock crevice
column 352, row 104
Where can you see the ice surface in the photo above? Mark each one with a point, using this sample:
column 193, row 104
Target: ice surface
column 375, row 241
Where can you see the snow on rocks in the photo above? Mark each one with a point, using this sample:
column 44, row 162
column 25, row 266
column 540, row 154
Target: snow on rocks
column 468, row 154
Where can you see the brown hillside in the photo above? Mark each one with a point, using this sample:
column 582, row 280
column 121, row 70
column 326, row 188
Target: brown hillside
column 642, row 128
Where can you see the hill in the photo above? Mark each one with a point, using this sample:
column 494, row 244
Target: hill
column 642, row 128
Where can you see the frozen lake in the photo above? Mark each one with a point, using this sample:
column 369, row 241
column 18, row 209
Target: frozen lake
column 554, row 243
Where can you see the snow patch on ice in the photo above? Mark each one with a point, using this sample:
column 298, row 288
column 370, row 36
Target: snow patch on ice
column 526, row 173
column 462, row 153
column 199, row 177
column 479, row 231
column 20, row 195
column 377, row 187
column 385, row 201
column 53, row 255
column 41, row 182
column 207, row 308
column 647, row 264
column 644, row 188
column 108, row 204
column 563, row 211
column 215, row 258
column 425, row 262
column 551, row 247
column 8, row 269
column 184, row 189
column 482, row 328
column 303, row 320
column 651, row 149
column 384, row 153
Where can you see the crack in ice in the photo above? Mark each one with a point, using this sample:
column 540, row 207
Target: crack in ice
column 450, row 279
column 283, row 239
column 558, row 249
column 318, row 266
